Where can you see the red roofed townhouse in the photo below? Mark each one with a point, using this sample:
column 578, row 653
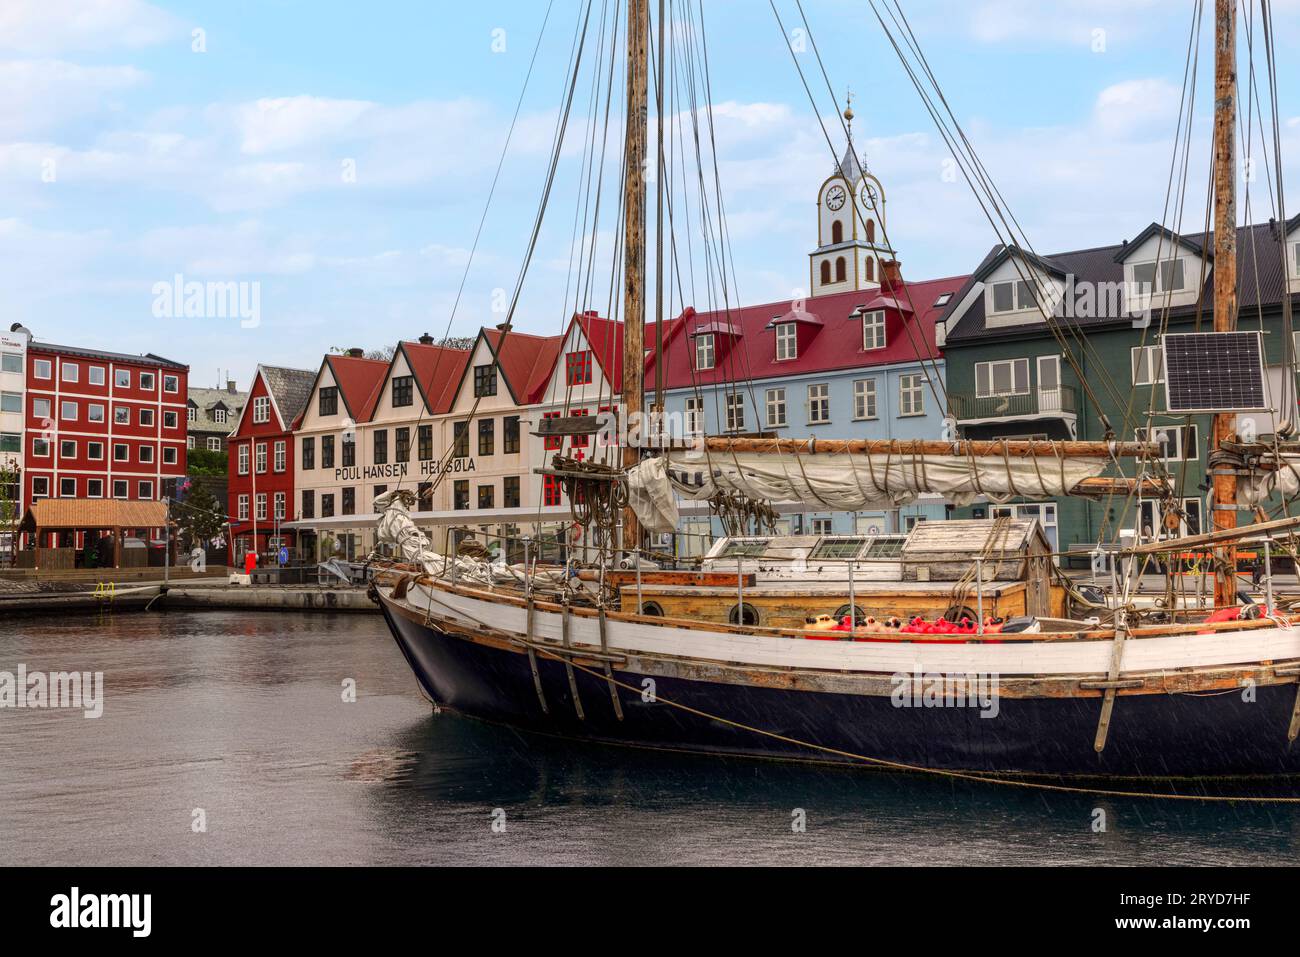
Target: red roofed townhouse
column 260, row 469
column 101, row 424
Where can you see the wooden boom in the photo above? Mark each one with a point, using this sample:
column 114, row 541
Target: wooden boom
column 1017, row 448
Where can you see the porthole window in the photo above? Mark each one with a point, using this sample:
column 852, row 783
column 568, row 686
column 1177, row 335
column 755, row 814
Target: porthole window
column 748, row 617
column 859, row 616
column 652, row 609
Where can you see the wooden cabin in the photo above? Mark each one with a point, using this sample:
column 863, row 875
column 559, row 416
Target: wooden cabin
column 784, row 581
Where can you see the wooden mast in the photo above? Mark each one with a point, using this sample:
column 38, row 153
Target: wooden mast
column 1224, row 511
column 638, row 27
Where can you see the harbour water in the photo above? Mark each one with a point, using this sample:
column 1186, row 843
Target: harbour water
column 227, row 738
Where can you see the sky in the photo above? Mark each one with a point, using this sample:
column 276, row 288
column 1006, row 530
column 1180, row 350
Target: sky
column 332, row 159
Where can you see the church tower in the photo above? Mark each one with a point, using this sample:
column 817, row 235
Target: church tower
column 850, row 226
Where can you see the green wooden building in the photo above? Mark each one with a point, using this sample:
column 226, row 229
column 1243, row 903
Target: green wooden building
column 1098, row 367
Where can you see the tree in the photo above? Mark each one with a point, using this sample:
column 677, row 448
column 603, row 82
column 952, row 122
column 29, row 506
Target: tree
column 206, row 462
column 198, row 516
column 11, row 479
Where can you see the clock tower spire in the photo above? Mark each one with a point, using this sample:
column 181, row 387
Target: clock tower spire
column 850, row 221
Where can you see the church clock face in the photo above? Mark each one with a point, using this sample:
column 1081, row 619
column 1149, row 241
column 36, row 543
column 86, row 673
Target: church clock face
column 870, row 197
column 835, row 197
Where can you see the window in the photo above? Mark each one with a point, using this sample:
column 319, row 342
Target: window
column 694, row 415
column 424, row 497
column 214, row 443
column 460, row 440
column 821, row 526
column 327, row 505
column 259, row 458
column 735, row 412
column 170, row 382
column 485, row 496
column 68, row 411
column 486, row 436
column 279, row 505
column 837, row 231
column 826, row 272
column 309, row 453
column 1172, row 277
column 327, row 451
column 425, row 436
column 121, row 378
column 68, row 449
column 13, row 362
column 94, row 488
column 119, row 488
column 327, row 400
column 943, row 300
column 1148, row 365
column 864, row 399
column 308, row 503
column 189, row 441
column 775, row 403
column 70, row 372
column 787, row 341
column 1002, row 377
column 911, row 398
column 146, row 453
column 873, row 329
column 510, row 435
column 551, row 494
column 262, row 409
column 169, row 455
column 243, row 508
column 403, row 391
column 121, row 452
column 42, row 369
column 95, row 451
column 191, row 414
column 41, row 408
column 577, row 367
column 349, row 501
column 40, row 447
column 510, row 491
column 1179, row 442
column 146, row 416
column 11, row 402
column 146, row 381
column 485, row 380
column 819, row 404
column 243, row 460
column 171, row 420
column 1011, row 296
column 121, row 415
column 144, row 490
column 281, row 455
column 840, row 272
column 349, row 445
column 40, row 486
column 704, row 352
column 219, row 416
column 67, row 488
column 460, row 495
column 380, row 443
column 261, row 506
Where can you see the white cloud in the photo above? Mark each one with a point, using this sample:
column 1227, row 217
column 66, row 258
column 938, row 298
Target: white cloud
column 40, row 95
column 1071, row 22
column 44, row 27
column 1147, row 108
column 292, row 122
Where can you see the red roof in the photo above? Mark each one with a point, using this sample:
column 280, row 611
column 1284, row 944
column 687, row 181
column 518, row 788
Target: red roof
column 605, row 336
column 525, row 361
column 437, row 371
column 835, row 343
column 359, row 381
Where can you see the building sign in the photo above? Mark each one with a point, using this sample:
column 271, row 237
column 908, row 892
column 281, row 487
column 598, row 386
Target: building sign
column 355, row 473
column 455, row 465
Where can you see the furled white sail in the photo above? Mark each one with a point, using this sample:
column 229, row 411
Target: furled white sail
column 1259, row 486
column 848, row 482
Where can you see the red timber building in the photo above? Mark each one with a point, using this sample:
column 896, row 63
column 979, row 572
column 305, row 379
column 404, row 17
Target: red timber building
column 260, row 487
column 101, row 425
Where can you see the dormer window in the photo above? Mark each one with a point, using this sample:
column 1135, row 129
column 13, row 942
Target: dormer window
column 1013, row 295
column 1171, row 274
column 873, row 330
column 219, row 416
column 704, row 352
column 787, row 341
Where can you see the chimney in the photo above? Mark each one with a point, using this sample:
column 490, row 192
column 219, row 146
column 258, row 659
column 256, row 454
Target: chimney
column 356, row 353
column 230, row 386
column 890, row 275
column 426, row 340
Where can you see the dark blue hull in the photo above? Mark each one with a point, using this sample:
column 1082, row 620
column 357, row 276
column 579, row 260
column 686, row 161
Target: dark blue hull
column 1151, row 735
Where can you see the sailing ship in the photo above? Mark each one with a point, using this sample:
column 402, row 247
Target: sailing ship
column 958, row 646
